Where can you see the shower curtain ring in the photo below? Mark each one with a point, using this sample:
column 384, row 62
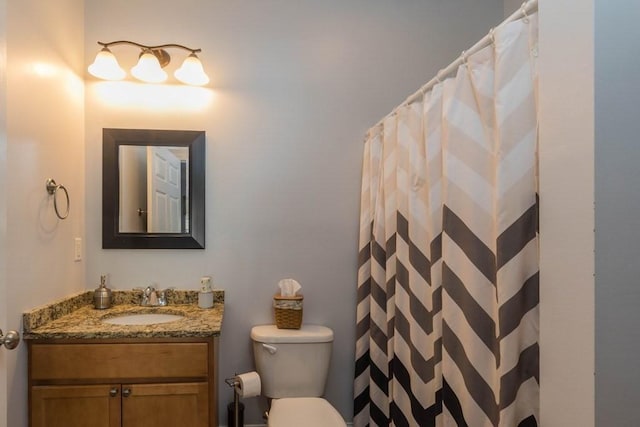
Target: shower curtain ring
column 492, row 35
column 523, row 10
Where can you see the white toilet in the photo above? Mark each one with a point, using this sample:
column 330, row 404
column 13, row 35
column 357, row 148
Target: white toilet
column 293, row 365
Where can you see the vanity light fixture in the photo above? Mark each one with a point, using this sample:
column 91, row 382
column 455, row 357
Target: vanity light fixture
column 148, row 68
column 150, row 63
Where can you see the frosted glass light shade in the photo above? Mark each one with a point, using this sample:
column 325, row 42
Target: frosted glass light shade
column 191, row 72
column 106, row 66
column 148, row 69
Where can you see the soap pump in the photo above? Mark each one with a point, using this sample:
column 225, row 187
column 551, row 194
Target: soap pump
column 102, row 295
column 205, row 296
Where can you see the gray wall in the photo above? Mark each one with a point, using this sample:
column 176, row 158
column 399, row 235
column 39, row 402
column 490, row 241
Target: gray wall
column 295, row 85
column 511, row 6
column 617, row 196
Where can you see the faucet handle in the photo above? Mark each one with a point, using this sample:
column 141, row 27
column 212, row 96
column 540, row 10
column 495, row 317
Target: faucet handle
column 146, row 294
column 162, row 296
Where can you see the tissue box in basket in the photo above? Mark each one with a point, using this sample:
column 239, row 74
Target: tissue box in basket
column 288, row 311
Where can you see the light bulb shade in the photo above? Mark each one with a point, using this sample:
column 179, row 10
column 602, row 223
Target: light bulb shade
column 191, row 72
column 106, row 66
column 148, row 69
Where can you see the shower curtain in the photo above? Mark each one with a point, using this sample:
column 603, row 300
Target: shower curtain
column 447, row 314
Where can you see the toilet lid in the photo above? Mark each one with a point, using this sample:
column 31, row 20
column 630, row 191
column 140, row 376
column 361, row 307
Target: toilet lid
column 306, row 334
column 303, row 411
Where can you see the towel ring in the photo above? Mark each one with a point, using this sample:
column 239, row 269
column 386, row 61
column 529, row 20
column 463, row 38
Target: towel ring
column 52, row 188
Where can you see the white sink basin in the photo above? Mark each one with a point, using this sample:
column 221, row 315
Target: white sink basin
column 142, row 319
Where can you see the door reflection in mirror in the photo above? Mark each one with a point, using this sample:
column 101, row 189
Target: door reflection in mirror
column 154, row 189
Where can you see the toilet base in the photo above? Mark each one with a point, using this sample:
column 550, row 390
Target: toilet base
column 303, row 411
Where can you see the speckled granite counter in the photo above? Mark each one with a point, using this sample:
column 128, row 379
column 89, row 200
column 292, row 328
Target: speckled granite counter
column 75, row 318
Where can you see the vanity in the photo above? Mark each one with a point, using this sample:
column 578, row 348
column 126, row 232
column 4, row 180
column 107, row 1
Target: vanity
column 122, row 366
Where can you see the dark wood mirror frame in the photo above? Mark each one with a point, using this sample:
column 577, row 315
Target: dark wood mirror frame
column 112, row 238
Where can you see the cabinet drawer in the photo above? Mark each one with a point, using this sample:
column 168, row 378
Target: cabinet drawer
column 116, row 361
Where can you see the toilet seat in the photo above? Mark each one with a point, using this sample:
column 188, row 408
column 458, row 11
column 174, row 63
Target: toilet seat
column 303, row 411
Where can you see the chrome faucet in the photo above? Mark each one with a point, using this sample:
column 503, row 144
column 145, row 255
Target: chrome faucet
column 162, row 296
column 151, row 297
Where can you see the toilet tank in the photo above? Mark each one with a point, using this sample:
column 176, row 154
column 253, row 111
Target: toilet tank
column 292, row 362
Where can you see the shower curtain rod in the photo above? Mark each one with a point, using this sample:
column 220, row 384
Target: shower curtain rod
column 527, row 7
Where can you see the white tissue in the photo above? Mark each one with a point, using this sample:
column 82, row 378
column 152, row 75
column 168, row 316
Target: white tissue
column 289, row 287
column 248, row 384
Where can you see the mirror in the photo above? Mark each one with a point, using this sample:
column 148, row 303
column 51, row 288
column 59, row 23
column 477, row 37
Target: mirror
column 153, row 189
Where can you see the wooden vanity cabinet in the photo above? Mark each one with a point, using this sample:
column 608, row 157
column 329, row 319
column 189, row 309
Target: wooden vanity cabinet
column 169, row 382
column 82, row 405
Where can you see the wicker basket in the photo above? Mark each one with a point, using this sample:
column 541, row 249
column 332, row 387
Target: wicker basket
column 288, row 311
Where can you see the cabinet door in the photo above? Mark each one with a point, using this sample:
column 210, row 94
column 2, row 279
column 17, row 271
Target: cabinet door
column 165, row 405
column 75, row 406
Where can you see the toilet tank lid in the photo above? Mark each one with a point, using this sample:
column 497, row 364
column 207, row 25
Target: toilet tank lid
column 307, row 333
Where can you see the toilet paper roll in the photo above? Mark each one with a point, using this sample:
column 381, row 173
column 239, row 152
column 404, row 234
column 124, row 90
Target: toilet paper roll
column 248, row 384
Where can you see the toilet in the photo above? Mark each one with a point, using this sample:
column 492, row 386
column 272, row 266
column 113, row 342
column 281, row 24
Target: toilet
column 293, row 365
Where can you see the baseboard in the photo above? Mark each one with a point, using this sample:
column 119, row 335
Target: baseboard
column 264, row 425
column 246, row 425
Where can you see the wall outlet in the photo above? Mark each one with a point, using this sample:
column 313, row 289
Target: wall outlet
column 77, row 249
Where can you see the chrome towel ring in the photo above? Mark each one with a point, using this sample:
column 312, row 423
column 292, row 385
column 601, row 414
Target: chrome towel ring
column 52, row 188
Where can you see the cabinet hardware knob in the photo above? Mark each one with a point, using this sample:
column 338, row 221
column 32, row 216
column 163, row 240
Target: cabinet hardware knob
column 126, row 392
column 113, row 392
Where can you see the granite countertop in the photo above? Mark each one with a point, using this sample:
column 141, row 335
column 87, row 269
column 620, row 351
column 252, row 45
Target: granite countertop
column 75, row 318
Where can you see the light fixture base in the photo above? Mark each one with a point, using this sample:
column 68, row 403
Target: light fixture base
column 163, row 56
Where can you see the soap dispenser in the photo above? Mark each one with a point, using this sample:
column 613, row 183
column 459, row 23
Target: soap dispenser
column 102, row 295
column 205, row 296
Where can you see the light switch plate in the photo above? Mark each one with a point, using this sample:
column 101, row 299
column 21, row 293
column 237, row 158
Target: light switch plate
column 77, row 249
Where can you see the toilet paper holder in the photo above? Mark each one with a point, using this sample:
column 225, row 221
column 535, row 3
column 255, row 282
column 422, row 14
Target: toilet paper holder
column 234, row 382
column 244, row 385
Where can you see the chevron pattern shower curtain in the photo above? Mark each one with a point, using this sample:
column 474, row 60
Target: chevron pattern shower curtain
column 447, row 315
